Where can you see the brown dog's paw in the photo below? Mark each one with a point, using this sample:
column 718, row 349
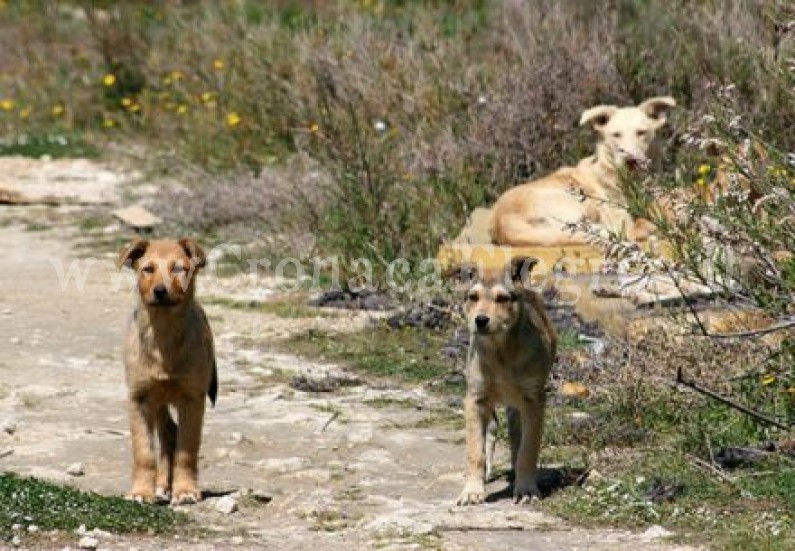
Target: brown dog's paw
column 140, row 496
column 186, row 496
column 162, row 495
column 473, row 494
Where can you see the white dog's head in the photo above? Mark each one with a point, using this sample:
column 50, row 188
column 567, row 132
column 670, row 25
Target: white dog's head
column 626, row 133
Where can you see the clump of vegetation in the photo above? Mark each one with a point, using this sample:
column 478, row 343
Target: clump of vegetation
column 412, row 113
column 30, row 501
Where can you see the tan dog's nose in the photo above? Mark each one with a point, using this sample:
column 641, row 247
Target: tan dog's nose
column 160, row 291
column 481, row 321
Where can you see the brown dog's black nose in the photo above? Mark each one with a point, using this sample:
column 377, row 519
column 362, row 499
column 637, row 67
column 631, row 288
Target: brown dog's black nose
column 160, row 291
column 481, row 321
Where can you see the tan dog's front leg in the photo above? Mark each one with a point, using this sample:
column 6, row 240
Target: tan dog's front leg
column 526, row 463
column 142, row 425
column 477, row 415
column 167, row 434
column 186, row 458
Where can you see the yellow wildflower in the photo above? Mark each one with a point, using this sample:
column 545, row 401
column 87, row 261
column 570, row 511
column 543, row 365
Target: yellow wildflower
column 233, row 119
column 126, row 102
column 314, row 128
column 25, row 113
column 701, row 182
column 108, row 123
column 207, row 97
column 182, row 109
column 167, row 81
column 7, row 104
column 768, row 379
column 134, row 108
column 703, row 170
column 57, row 110
column 177, row 75
column 109, row 79
column 218, row 64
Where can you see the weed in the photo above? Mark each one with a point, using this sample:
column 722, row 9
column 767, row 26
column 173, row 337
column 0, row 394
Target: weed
column 32, row 501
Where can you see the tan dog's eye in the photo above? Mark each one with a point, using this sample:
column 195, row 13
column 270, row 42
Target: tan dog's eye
column 472, row 297
column 617, row 135
column 502, row 299
column 641, row 133
column 148, row 269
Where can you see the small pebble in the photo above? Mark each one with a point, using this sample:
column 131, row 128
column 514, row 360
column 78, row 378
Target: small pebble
column 88, row 542
column 226, row 505
column 16, row 527
column 33, row 528
column 6, row 311
column 237, row 540
column 15, row 340
column 76, row 469
column 16, row 541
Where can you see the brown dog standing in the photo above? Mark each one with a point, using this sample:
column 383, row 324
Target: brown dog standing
column 512, row 347
column 170, row 361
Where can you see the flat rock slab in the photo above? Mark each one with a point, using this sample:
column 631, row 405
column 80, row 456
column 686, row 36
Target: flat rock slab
column 137, row 217
column 82, row 181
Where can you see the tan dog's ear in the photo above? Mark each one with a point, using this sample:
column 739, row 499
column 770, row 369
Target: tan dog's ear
column 657, row 108
column 464, row 275
column 519, row 270
column 598, row 116
column 194, row 251
column 131, row 253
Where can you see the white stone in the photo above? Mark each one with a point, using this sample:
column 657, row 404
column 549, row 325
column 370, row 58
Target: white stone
column 76, row 469
column 88, row 542
column 226, row 505
column 655, row 532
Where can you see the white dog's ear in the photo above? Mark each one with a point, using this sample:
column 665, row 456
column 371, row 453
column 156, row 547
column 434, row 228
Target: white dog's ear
column 598, row 116
column 657, row 108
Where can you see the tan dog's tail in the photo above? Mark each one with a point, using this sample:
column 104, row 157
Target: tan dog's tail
column 212, row 390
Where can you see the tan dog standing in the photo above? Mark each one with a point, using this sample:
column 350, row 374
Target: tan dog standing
column 170, row 361
column 535, row 213
column 511, row 351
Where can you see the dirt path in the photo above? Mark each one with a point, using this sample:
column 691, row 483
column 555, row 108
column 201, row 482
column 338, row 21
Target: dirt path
column 345, row 470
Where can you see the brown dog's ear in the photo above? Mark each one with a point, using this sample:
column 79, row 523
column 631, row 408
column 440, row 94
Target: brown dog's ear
column 598, row 116
column 131, row 253
column 519, row 269
column 194, row 251
column 657, row 108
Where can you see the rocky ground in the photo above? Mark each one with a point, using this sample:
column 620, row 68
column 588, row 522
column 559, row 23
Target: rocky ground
column 361, row 466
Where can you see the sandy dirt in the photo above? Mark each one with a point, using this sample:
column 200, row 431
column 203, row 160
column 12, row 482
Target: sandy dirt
column 342, row 470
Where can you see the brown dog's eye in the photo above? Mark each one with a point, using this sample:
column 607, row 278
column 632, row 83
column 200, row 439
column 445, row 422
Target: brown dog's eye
column 148, row 269
column 641, row 133
column 616, row 135
column 502, row 299
column 472, row 297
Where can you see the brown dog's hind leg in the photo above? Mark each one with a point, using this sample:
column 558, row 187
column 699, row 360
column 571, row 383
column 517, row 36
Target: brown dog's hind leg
column 142, row 426
column 526, row 464
column 477, row 415
column 167, row 435
column 186, row 458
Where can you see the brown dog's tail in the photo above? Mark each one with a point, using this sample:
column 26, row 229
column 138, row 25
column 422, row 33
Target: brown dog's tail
column 212, row 390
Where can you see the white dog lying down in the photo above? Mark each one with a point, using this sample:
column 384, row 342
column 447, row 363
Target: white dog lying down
column 535, row 213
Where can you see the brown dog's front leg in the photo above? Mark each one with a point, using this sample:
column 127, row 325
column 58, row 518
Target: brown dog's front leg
column 167, row 435
column 477, row 415
column 186, row 458
column 526, row 463
column 142, row 425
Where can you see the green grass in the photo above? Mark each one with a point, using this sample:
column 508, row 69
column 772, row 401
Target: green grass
column 739, row 511
column 54, row 145
column 29, row 501
column 292, row 308
column 407, row 355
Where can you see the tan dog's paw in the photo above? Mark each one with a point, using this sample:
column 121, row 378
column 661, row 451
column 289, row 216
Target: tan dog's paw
column 186, row 496
column 525, row 491
column 473, row 494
